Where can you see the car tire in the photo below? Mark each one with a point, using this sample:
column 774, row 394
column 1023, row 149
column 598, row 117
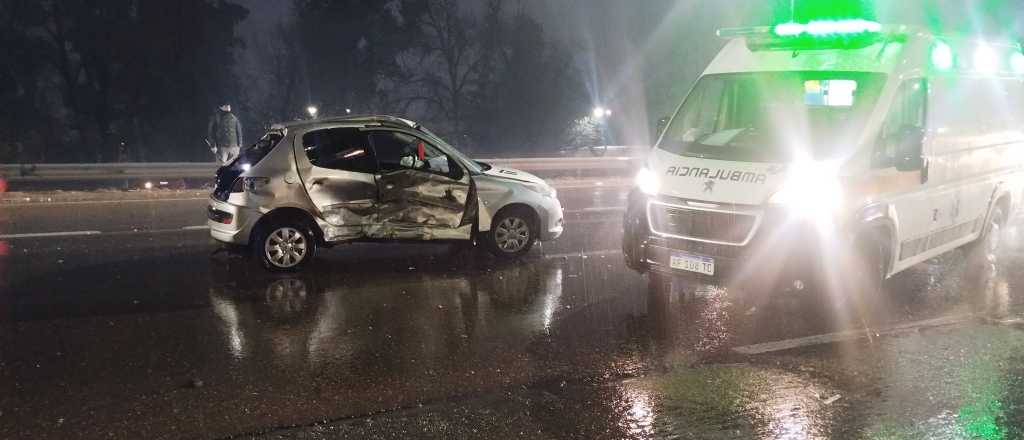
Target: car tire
column 982, row 254
column 632, row 244
column 867, row 286
column 513, row 233
column 285, row 246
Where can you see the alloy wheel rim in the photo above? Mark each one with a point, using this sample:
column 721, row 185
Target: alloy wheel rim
column 286, row 247
column 512, row 235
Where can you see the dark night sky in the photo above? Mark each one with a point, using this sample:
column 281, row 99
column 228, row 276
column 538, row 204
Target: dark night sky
column 628, row 48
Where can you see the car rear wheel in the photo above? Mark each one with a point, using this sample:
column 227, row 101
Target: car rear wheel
column 285, row 246
column 512, row 234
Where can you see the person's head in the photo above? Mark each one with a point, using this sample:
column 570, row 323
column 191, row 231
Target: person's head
column 225, row 107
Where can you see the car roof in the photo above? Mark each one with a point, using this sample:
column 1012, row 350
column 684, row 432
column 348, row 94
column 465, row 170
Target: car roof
column 382, row 120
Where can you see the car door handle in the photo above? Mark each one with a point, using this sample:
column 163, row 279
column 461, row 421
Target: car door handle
column 317, row 181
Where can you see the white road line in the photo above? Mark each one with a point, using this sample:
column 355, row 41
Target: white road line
column 586, row 254
column 39, row 203
column 831, row 338
column 1005, row 321
column 195, row 228
column 609, row 220
column 49, row 235
column 569, row 186
column 595, row 209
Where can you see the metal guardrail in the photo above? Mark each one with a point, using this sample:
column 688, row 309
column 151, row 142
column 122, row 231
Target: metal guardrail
column 68, row 172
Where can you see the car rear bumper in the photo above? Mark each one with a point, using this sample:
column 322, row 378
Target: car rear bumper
column 229, row 223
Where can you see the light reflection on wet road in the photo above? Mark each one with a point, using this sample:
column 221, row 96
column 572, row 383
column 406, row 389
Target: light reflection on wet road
column 150, row 337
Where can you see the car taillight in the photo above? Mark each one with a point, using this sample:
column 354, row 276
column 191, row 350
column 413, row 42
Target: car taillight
column 253, row 184
column 219, row 216
column 237, row 185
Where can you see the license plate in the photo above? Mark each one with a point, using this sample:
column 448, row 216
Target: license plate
column 693, row 263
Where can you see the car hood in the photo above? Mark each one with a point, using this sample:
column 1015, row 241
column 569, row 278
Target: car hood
column 716, row 181
column 514, row 174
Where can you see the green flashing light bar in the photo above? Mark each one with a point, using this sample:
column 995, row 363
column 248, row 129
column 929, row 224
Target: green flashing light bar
column 986, row 59
column 827, row 28
column 942, row 56
column 1017, row 63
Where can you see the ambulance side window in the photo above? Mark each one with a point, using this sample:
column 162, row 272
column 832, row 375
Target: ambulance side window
column 907, row 112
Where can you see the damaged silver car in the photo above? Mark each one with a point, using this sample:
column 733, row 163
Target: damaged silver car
column 312, row 184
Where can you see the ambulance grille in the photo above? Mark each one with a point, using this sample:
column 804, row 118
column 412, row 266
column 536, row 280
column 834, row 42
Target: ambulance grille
column 721, row 227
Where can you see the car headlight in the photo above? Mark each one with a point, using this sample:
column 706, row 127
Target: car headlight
column 812, row 190
column 648, row 182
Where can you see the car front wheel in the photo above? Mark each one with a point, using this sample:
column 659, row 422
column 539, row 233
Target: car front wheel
column 512, row 234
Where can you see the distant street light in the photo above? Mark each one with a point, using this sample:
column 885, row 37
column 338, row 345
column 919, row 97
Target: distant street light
column 600, row 119
column 312, row 110
column 348, row 111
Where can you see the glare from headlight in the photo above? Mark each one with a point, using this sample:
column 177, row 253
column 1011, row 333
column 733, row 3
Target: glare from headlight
column 648, row 182
column 246, row 167
column 812, row 191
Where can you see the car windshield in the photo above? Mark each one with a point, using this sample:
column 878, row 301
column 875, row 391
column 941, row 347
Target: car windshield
column 772, row 116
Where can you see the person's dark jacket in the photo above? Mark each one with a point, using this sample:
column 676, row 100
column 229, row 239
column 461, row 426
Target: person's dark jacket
column 224, row 130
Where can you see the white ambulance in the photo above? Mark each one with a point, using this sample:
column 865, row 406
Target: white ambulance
column 804, row 143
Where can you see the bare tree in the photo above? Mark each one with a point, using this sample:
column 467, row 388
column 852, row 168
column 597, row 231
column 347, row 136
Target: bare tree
column 448, row 62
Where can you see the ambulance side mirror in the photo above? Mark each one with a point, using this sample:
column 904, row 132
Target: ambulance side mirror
column 662, row 125
column 909, row 149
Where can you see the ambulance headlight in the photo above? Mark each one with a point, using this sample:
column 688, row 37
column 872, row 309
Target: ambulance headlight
column 812, row 191
column 647, row 182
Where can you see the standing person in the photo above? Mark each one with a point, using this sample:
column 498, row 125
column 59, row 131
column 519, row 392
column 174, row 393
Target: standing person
column 224, row 133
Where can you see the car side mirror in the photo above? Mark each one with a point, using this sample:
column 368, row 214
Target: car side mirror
column 455, row 170
column 662, row 125
column 909, row 149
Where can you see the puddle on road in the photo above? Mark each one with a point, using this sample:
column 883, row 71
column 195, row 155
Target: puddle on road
column 360, row 334
column 715, row 402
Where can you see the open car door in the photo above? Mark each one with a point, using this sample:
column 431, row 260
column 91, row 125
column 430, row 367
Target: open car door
column 424, row 193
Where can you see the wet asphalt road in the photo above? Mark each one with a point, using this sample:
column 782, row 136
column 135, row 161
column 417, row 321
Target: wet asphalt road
column 139, row 332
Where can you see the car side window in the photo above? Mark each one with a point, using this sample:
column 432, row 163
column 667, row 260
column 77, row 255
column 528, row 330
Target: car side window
column 908, row 111
column 396, row 151
column 343, row 149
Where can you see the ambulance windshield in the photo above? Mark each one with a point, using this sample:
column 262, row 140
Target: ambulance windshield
column 773, row 116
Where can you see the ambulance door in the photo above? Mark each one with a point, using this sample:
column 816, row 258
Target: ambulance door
column 904, row 171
